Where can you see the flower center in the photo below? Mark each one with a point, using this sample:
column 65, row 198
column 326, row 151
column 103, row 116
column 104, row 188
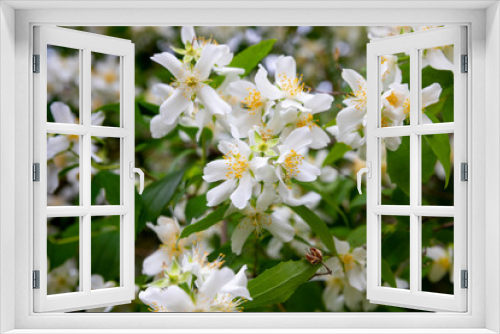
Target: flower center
column 406, row 107
column 359, row 98
column 188, row 83
column 444, row 262
column 237, row 165
column 392, row 99
column 292, row 86
column 306, row 120
column 348, row 261
column 292, row 162
column 253, row 101
column 110, row 77
column 256, row 220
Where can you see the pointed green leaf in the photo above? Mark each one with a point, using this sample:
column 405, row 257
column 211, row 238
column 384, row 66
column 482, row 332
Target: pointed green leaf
column 201, row 225
column 277, row 284
column 317, row 224
column 337, row 152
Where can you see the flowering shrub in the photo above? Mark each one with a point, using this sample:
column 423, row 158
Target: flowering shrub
column 250, row 202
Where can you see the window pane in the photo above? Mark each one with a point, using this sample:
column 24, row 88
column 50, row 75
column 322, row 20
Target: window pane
column 437, row 84
column 63, row 85
column 105, row 252
column 395, row 171
column 395, row 251
column 395, row 100
column 105, row 89
column 437, row 169
column 63, row 169
column 437, row 254
column 63, row 253
column 105, row 184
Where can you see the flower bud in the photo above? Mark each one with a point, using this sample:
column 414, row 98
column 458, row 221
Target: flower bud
column 315, row 256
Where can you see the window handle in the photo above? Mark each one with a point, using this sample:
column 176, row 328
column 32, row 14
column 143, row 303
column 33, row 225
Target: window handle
column 133, row 170
column 368, row 171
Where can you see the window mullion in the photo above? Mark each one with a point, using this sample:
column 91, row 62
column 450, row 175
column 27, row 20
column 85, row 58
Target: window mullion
column 414, row 171
column 85, row 162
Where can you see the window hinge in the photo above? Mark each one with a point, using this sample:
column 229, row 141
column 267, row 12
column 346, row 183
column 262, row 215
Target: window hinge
column 36, row 279
column 464, row 279
column 36, row 172
column 36, row 63
column 464, row 171
column 465, row 64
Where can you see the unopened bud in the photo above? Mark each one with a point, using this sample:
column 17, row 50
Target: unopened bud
column 315, row 256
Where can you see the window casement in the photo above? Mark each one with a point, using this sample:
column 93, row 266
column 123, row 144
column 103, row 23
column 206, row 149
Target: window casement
column 76, row 134
column 419, row 132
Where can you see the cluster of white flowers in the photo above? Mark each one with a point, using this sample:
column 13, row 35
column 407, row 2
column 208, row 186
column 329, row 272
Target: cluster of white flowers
column 185, row 281
column 269, row 129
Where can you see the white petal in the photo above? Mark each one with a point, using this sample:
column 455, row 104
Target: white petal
column 349, row 119
column 240, row 89
column 266, row 198
column 163, row 91
column 307, row 172
column 298, row 139
column 215, row 282
column 286, row 69
column 215, row 171
column 188, row 35
column 267, row 89
column 209, row 56
column 438, row 60
column 320, row 138
column 435, row 252
column 354, row 79
column 97, row 118
column 281, row 229
column 319, row 103
column 55, row 145
column 242, row 194
column 212, row 101
column 258, row 162
column 159, row 128
column 237, row 286
column 357, row 278
column 61, row 113
column 220, row 193
column 437, row 272
column 333, row 301
column 274, row 247
column 170, row 62
column 174, row 106
column 359, row 255
column 392, row 143
column 430, row 95
column 154, row 263
column 240, row 235
column 173, row 298
column 52, row 178
column 342, row 247
column 225, row 56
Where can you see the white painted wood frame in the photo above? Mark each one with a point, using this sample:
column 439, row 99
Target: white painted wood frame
column 86, row 43
column 414, row 44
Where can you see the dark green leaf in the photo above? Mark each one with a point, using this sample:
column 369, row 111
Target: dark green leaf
column 398, row 165
column 387, row 275
column 195, row 207
column 358, row 237
column 336, row 153
column 157, row 195
column 108, row 181
column 440, row 145
column 317, row 224
column 201, row 225
column 277, row 284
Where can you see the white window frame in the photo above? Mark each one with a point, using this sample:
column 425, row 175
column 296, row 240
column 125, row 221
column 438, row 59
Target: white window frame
column 85, row 43
column 483, row 20
column 414, row 44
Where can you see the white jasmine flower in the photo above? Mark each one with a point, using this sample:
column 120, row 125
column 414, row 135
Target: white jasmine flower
column 390, row 71
column 63, row 278
column 220, row 292
column 354, row 263
column 191, row 84
column 238, row 169
column 442, row 262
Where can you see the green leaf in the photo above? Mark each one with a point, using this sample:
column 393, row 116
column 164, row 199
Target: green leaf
column 201, row 225
column 398, row 165
column 358, row 237
column 317, row 224
column 387, row 275
column 157, row 195
column 440, row 145
column 105, row 248
column 428, row 162
column 277, row 284
column 108, row 181
column 195, row 207
column 336, row 153
column 248, row 59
